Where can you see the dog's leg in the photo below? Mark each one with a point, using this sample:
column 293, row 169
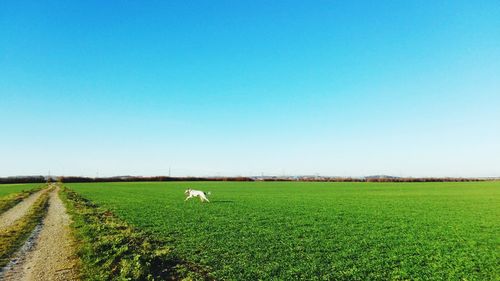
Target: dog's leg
column 188, row 198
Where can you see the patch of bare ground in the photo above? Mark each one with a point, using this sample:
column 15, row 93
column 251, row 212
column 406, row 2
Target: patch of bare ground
column 13, row 214
column 52, row 256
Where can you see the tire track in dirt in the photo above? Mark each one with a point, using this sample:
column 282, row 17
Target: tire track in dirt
column 53, row 255
column 13, row 214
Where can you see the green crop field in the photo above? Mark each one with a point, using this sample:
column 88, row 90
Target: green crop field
column 6, row 189
column 319, row 231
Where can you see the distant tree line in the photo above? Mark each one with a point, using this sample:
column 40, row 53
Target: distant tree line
column 375, row 179
column 70, row 179
column 24, row 179
column 423, row 179
column 143, row 179
column 398, row 179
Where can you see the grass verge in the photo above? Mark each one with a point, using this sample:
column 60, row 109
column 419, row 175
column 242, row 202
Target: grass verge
column 14, row 236
column 11, row 200
column 111, row 249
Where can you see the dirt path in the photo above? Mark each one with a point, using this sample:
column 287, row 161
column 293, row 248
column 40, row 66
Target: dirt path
column 53, row 255
column 13, row 214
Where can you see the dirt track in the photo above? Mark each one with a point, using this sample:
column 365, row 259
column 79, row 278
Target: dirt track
column 13, row 214
column 53, row 255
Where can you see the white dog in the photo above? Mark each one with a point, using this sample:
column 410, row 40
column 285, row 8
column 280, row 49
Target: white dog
column 190, row 193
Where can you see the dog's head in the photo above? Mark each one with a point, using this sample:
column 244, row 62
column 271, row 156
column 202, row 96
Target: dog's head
column 187, row 191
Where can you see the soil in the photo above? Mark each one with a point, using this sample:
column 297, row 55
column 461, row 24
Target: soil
column 52, row 253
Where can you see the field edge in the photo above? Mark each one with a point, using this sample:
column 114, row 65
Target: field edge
column 111, row 249
column 12, row 238
column 10, row 200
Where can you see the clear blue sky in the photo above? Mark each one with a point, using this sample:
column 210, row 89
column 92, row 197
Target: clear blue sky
column 348, row 88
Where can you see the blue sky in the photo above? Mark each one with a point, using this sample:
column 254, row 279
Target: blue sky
column 347, row 88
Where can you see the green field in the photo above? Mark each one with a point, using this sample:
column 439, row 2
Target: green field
column 6, row 189
column 322, row 231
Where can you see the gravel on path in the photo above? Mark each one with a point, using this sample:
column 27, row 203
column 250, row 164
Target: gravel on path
column 53, row 255
column 13, row 214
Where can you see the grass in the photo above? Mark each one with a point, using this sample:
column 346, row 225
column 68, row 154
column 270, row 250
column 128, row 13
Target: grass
column 11, row 194
column 319, row 231
column 110, row 249
column 13, row 237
